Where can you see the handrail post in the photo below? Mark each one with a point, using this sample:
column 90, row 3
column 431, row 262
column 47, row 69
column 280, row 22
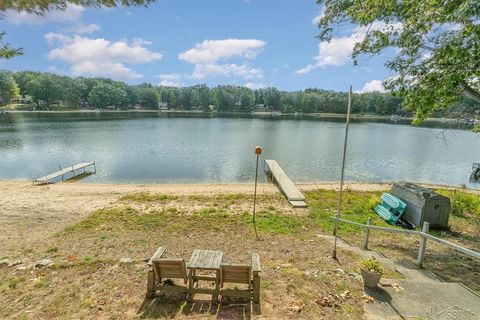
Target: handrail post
column 367, row 234
column 423, row 244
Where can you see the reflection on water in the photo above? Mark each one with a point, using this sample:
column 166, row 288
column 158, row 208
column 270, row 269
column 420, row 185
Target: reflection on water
column 132, row 147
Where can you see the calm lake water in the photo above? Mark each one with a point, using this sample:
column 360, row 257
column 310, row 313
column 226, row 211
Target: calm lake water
column 132, row 147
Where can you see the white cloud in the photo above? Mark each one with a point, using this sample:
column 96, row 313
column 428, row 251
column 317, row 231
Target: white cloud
column 255, row 85
column 86, row 28
column 206, row 56
column 227, row 70
column 99, row 57
column 169, row 80
column 372, row 86
column 72, row 13
column 210, row 51
column 338, row 51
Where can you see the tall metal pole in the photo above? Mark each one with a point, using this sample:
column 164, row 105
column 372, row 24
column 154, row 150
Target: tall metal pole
column 335, row 232
column 258, row 152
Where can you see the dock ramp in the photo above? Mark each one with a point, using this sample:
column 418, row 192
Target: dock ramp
column 74, row 170
column 289, row 189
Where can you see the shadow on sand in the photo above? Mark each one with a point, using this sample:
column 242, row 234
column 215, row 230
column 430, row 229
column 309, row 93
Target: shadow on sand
column 167, row 307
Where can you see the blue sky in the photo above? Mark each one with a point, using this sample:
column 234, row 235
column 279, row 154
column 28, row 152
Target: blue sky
column 256, row 43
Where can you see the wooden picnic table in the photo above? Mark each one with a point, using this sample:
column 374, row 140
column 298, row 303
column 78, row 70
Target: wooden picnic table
column 205, row 260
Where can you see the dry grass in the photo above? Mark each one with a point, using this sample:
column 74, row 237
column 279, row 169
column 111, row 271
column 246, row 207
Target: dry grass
column 88, row 282
column 447, row 264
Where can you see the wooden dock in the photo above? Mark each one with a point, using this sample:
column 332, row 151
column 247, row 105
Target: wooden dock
column 74, row 170
column 289, row 189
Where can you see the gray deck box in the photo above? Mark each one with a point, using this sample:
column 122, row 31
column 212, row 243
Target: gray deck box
column 423, row 205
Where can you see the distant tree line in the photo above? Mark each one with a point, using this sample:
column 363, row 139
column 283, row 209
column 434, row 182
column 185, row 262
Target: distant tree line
column 47, row 90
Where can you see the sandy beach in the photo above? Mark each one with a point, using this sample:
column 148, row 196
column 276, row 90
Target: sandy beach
column 29, row 212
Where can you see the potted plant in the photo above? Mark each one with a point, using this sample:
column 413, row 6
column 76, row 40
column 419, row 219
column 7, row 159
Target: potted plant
column 371, row 270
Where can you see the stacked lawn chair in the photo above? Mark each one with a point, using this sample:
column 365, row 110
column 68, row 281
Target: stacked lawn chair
column 391, row 208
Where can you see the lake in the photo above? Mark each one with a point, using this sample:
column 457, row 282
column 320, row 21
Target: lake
column 155, row 148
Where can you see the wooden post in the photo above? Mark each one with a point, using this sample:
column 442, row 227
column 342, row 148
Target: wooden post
column 151, row 284
column 367, row 234
column 423, row 245
column 258, row 152
column 256, row 287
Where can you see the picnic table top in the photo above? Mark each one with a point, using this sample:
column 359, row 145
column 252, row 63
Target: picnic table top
column 205, row 259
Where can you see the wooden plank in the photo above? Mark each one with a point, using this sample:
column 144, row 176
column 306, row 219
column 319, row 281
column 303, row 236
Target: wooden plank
column 205, row 259
column 283, row 181
column 201, row 259
column 193, row 260
column 218, row 260
column 158, row 254
column 236, row 293
column 210, row 256
column 256, row 262
column 298, row 204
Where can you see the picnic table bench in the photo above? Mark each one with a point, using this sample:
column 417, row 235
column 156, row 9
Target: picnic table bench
column 201, row 263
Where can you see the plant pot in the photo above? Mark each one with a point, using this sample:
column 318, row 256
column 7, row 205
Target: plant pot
column 370, row 279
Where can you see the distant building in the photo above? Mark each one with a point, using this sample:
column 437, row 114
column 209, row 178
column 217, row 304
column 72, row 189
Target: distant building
column 162, row 106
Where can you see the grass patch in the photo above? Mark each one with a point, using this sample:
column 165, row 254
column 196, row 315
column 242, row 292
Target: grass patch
column 357, row 206
column 14, row 282
column 274, row 223
column 465, row 205
column 148, row 197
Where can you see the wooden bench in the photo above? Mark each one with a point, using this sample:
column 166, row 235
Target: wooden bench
column 163, row 269
column 242, row 274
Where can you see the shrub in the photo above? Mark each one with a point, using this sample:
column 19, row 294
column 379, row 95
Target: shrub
column 371, row 265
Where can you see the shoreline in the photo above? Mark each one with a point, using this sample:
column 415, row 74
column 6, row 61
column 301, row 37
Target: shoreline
column 451, row 123
column 202, row 187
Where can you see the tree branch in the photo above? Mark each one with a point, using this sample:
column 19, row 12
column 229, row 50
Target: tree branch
column 472, row 93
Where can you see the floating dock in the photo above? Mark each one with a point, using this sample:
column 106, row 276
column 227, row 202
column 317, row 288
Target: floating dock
column 289, row 189
column 74, row 170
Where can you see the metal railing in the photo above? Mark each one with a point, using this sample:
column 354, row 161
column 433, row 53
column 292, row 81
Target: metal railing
column 423, row 238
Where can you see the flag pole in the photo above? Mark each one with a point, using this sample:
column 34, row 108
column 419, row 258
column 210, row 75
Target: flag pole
column 337, row 217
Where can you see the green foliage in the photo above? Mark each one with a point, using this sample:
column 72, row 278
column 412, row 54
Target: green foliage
column 105, row 95
column 41, row 6
column 371, row 265
column 45, row 88
column 149, row 98
column 357, row 207
column 463, row 204
column 438, row 57
column 7, row 52
column 8, row 88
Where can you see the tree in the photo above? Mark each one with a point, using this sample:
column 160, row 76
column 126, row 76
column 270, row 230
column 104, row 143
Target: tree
column 44, row 89
column 247, row 99
column 8, row 88
column 106, row 94
column 438, row 59
column 41, row 6
column 6, row 51
column 133, row 95
column 149, row 98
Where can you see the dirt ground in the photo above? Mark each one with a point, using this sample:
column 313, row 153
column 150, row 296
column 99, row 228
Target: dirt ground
column 29, row 213
column 87, row 230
